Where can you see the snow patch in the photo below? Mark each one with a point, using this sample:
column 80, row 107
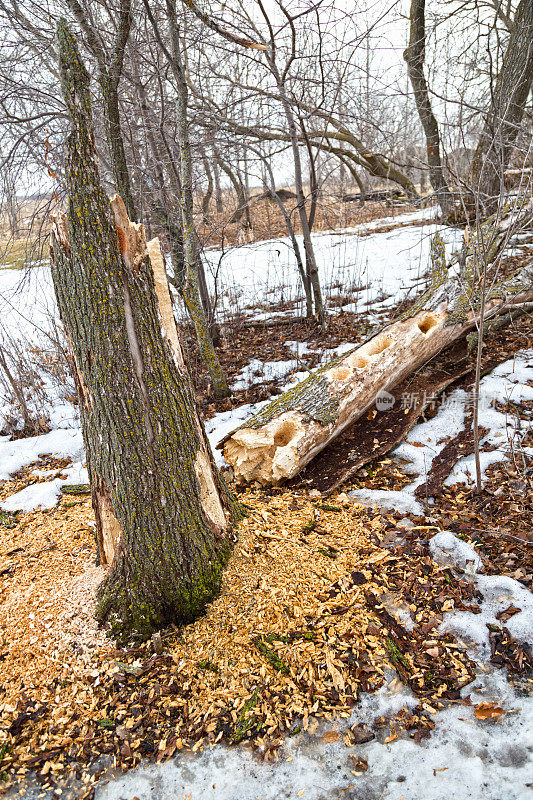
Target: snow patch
column 47, row 493
column 63, row 443
column 465, row 758
column 499, row 592
column 400, row 501
column 447, row 550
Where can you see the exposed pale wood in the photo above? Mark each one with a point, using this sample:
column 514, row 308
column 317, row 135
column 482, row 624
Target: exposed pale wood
column 275, row 444
column 163, row 517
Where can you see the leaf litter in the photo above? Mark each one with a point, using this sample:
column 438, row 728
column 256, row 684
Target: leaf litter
column 295, row 636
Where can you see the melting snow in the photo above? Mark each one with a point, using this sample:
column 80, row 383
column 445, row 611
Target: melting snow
column 465, row 757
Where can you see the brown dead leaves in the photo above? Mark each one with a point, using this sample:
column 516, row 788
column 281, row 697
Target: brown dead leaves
column 489, row 711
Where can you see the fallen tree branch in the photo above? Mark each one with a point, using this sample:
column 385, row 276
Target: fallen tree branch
column 280, row 440
column 366, row 440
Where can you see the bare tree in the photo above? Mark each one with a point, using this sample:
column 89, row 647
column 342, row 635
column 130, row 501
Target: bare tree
column 414, row 56
column 109, row 74
column 504, row 114
column 190, row 285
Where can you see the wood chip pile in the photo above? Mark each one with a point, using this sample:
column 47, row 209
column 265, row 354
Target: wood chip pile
column 312, row 612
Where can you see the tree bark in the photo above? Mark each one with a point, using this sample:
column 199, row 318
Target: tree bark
column 206, row 199
column 414, row 55
column 115, row 142
column 163, row 517
column 504, row 117
column 277, row 442
column 109, row 73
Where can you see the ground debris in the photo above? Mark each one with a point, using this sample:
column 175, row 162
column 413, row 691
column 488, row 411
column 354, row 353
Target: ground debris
column 294, row 634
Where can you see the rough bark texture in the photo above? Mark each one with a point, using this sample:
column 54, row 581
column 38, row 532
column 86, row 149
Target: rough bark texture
column 414, row 55
column 503, row 119
column 194, row 285
column 116, row 142
column 283, row 437
column 163, row 517
column 109, row 74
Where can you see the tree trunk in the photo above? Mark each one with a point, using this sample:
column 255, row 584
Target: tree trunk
column 29, row 425
column 310, row 258
column 237, row 186
column 109, row 73
column 194, row 288
column 115, row 142
column 277, row 442
column 206, row 199
column 218, row 191
column 270, row 185
column 163, row 517
column 414, row 55
column 503, row 120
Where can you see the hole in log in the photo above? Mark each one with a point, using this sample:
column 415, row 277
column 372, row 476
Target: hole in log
column 429, row 322
column 267, row 454
column 340, row 373
column 358, row 362
column 378, row 346
column 285, row 433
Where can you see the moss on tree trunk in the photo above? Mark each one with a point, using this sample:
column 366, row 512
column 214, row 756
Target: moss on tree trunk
column 163, row 516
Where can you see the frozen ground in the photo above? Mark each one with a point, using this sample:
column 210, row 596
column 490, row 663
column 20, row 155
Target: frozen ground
column 465, row 758
column 512, row 380
column 376, row 270
column 385, row 263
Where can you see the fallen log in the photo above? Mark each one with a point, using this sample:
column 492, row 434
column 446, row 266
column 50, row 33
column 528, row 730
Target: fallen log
column 366, row 440
column 277, row 442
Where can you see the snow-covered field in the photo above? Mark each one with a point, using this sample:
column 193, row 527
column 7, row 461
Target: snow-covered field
column 377, row 269
column 465, row 757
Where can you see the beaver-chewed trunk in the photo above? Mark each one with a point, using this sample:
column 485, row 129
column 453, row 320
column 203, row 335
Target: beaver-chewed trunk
column 163, row 517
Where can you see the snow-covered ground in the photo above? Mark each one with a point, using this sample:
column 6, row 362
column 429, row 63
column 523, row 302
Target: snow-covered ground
column 377, row 269
column 465, row 757
column 512, row 380
column 264, row 273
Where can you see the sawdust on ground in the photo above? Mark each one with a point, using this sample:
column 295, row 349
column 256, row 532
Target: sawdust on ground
column 294, row 635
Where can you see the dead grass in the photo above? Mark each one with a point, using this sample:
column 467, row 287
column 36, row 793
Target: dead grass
column 19, row 253
column 268, row 223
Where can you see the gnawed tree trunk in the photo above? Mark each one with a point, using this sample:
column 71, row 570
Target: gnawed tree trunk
column 277, row 442
column 163, row 517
